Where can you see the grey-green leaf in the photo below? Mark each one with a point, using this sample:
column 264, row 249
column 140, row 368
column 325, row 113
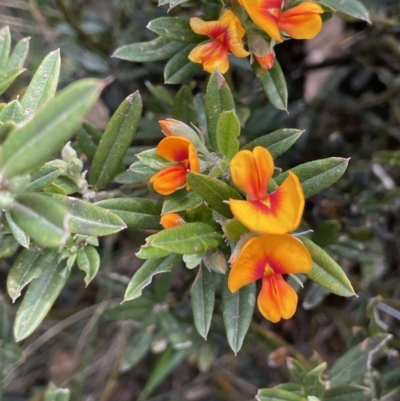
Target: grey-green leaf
column 20, row 235
column 354, row 8
column 115, row 141
column 39, row 299
column 228, row 130
column 12, row 112
column 88, row 260
column 5, row 45
column 42, row 177
column 238, row 311
column 8, row 77
column 275, row 394
column 19, row 54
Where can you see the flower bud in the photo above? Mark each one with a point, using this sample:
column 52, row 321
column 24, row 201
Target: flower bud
column 261, row 50
column 215, row 260
column 169, row 220
column 68, row 153
column 233, row 229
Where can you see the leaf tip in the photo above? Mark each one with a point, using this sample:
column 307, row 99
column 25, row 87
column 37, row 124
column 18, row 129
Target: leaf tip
column 106, row 81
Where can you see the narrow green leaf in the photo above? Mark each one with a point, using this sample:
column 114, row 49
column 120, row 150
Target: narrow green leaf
column 5, row 321
column 88, row 260
column 273, row 83
column 274, row 394
column 42, row 177
column 181, row 200
column 10, row 352
column 33, row 143
column 213, row 191
column 56, row 394
column 158, row 49
column 138, row 309
column 354, row 8
column 228, row 129
column 39, row 299
column 238, row 310
column 5, row 129
column 89, row 138
column 29, row 265
column 175, row 28
column 313, row 382
column 183, row 107
column 353, row 392
column 88, row 219
column 42, row 218
column 43, row 85
column 137, row 213
column 202, row 296
column 20, row 235
column 186, row 239
column 179, row 67
column 143, row 276
column 19, row 54
column 8, row 246
column 5, row 45
column 326, row 272
column 317, row 175
column 277, row 142
column 12, row 112
column 218, row 99
column 174, row 3
column 355, row 362
column 8, row 77
column 153, row 160
column 115, row 141
column 174, row 331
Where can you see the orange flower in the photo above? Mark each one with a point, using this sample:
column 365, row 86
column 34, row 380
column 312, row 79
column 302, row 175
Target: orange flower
column 179, row 150
column 300, row 22
column 276, row 213
column 261, row 50
column 169, row 220
column 226, row 34
column 268, row 257
column 267, row 61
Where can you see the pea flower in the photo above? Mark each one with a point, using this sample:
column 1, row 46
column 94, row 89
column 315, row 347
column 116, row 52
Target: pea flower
column 226, row 34
column 267, row 257
column 276, row 213
column 261, row 50
column 169, row 220
column 300, row 22
column 183, row 153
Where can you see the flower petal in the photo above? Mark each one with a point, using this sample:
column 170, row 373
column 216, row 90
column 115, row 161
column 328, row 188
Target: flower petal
column 268, row 255
column 251, row 171
column 265, row 14
column 211, row 55
column 302, row 21
column 174, row 148
column 277, row 299
column 168, row 180
column 234, row 35
column 194, row 162
column 267, row 61
column 208, row 28
column 169, row 220
column 278, row 213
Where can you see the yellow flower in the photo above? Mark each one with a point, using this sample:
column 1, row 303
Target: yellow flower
column 226, row 34
column 300, row 22
column 276, row 213
column 268, row 257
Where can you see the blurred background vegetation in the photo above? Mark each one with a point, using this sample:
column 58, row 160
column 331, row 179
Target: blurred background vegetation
column 344, row 91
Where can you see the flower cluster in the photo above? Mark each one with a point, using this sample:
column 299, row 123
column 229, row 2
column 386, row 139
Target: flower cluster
column 267, row 251
column 302, row 21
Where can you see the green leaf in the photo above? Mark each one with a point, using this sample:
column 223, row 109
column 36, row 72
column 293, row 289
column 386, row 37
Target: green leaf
column 62, row 185
column 202, row 296
column 8, row 77
column 186, row 239
column 43, row 85
column 175, row 28
column 6, row 128
column 317, row 175
column 137, row 213
column 174, row 331
column 274, row 394
column 353, row 392
column 115, row 141
column 354, row 8
column 33, row 143
column 12, row 112
column 19, row 54
column 183, row 107
column 39, row 299
column 179, row 67
column 234, row 229
column 277, row 142
column 42, row 218
column 181, row 200
column 273, row 83
column 218, row 99
column 5, row 45
column 174, row 3
column 238, row 310
column 143, row 276
column 138, row 309
column 89, row 137
column 228, row 129
column 19, row 234
column 42, row 177
column 89, row 219
column 386, row 157
column 155, row 50
column 326, row 233
column 29, row 265
column 161, row 93
column 88, row 260
column 326, row 272
column 355, row 362
column 213, row 191
column 5, row 321
column 10, row 352
column 152, row 159
column 8, row 246
column 313, row 382
column 56, row 394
